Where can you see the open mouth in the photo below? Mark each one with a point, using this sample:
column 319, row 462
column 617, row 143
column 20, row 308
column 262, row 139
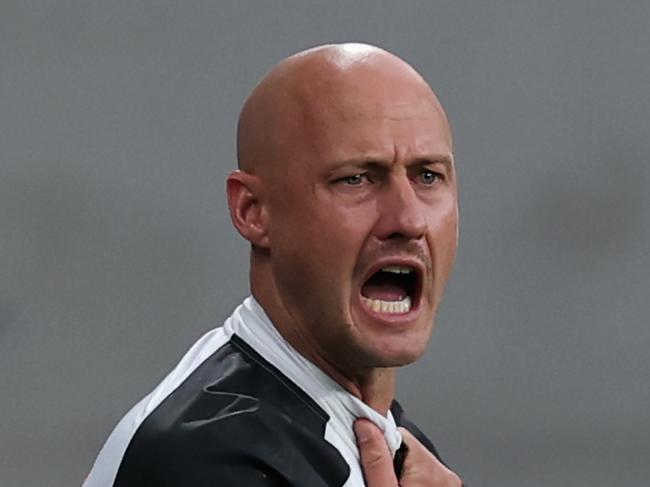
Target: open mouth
column 393, row 289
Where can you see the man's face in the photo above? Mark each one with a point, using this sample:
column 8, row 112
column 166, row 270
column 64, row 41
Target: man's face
column 363, row 223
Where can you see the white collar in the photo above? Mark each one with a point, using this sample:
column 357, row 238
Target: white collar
column 250, row 322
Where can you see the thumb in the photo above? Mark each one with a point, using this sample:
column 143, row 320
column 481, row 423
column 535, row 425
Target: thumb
column 376, row 460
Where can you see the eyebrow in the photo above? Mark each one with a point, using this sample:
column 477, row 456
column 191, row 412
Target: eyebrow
column 446, row 160
column 370, row 160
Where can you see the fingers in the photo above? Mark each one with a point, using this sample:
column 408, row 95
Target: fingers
column 376, row 459
column 421, row 467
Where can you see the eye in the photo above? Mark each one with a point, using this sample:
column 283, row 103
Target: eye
column 355, row 179
column 427, row 176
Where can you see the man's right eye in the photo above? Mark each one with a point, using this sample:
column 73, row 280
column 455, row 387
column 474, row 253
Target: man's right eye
column 355, row 180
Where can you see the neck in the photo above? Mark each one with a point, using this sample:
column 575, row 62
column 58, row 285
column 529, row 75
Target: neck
column 374, row 386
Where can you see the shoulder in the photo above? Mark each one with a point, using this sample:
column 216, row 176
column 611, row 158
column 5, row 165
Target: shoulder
column 235, row 418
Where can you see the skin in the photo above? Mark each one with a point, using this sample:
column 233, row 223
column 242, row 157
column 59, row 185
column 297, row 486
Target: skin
column 345, row 164
column 421, row 468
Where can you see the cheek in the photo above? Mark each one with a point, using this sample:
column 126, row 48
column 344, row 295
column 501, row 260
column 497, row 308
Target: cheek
column 444, row 235
column 336, row 245
column 444, row 219
column 309, row 254
column 321, row 235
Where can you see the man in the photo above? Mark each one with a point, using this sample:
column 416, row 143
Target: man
column 346, row 191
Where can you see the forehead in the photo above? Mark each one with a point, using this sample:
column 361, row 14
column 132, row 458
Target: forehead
column 381, row 123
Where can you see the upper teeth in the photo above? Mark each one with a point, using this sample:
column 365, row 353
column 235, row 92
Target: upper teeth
column 397, row 269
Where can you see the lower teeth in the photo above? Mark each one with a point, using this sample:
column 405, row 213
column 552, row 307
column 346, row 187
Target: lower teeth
column 389, row 307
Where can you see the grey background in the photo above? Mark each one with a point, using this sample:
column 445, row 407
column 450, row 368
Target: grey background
column 116, row 132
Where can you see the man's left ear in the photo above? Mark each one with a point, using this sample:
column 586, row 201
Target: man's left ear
column 247, row 211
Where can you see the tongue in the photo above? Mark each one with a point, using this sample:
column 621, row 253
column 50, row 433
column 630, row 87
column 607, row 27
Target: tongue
column 385, row 291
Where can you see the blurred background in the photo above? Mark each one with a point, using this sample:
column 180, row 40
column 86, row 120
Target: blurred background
column 117, row 125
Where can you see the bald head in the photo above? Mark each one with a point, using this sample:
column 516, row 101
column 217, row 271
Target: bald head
column 346, row 166
column 337, row 80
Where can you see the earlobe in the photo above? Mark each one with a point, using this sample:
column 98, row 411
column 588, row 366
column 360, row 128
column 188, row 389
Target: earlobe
column 247, row 211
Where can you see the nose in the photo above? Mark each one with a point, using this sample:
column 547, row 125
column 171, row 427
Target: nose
column 401, row 213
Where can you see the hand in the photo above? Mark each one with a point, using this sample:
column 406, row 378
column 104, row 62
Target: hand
column 421, row 467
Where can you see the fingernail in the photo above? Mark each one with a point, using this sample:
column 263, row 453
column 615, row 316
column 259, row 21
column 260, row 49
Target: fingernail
column 363, row 432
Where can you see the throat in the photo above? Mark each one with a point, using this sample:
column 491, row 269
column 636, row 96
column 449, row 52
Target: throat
column 378, row 389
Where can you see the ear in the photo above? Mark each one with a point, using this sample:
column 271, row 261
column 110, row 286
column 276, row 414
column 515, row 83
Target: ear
column 247, row 212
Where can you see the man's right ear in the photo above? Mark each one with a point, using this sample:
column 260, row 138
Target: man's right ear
column 247, row 213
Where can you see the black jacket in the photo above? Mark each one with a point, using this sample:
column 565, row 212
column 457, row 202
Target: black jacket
column 238, row 421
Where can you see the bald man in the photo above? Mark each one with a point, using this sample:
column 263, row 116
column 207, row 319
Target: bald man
column 346, row 192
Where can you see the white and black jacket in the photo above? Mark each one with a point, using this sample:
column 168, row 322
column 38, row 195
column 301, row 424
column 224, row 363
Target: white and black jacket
column 243, row 408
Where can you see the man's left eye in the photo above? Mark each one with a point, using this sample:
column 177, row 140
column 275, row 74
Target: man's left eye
column 429, row 177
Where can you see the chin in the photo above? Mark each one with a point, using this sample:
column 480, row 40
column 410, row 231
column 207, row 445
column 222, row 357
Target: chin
column 395, row 361
column 395, row 354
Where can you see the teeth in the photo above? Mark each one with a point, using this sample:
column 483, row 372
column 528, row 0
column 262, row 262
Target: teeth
column 389, row 307
column 397, row 269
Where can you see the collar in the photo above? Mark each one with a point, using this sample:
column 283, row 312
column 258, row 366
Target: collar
column 251, row 323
